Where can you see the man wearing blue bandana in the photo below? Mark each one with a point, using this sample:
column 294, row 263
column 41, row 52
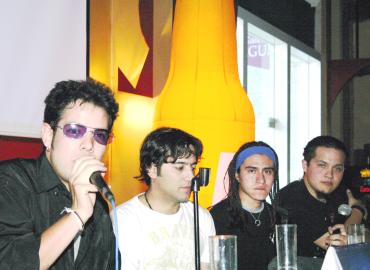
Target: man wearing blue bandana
column 245, row 213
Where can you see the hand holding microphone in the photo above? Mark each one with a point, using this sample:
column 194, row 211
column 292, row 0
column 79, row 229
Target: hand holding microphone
column 343, row 210
column 97, row 179
column 82, row 190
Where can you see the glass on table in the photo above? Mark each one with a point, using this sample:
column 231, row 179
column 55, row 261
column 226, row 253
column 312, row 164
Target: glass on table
column 286, row 246
column 356, row 233
column 223, row 252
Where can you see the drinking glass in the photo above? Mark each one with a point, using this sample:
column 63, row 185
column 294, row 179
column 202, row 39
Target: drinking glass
column 356, row 233
column 286, row 246
column 223, row 252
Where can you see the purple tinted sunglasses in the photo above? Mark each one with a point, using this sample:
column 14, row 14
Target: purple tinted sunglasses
column 77, row 131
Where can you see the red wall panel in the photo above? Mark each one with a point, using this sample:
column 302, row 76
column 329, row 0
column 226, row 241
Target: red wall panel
column 14, row 147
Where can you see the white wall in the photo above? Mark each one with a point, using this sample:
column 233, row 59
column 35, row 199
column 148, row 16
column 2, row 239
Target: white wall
column 42, row 42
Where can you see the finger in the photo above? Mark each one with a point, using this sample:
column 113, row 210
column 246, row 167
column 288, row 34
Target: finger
column 337, row 239
column 337, row 243
column 349, row 194
column 78, row 165
column 80, row 160
column 341, row 228
column 84, row 173
column 81, row 163
column 83, row 170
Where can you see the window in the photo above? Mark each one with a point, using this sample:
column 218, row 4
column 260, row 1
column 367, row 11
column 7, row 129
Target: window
column 283, row 83
column 305, row 100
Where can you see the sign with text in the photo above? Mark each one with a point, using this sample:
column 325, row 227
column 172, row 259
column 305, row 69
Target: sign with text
column 258, row 52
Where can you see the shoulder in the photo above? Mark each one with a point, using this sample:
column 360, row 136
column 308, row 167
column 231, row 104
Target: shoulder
column 21, row 172
column 293, row 186
column 130, row 213
column 268, row 206
column 293, row 189
column 14, row 165
column 222, row 213
column 222, row 204
column 291, row 195
column 17, row 181
column 220, row 207
column 207, row 221
column 188, row 209
column 129, row 207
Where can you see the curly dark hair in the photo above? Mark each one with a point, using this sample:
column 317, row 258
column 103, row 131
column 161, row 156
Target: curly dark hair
column 68, row 92
column 323, row 141
column 164, row 143
column 235, row 207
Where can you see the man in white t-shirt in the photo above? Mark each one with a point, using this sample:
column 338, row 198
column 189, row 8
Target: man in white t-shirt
column 156, row 228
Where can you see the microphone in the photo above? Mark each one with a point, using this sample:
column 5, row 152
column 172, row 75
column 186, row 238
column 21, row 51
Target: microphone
column 344, row 210
column 204, row 176
column 201, row 179
column 97, row 180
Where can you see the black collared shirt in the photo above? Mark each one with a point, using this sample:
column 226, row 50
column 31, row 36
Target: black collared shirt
column 31, row 200
column 312, row 217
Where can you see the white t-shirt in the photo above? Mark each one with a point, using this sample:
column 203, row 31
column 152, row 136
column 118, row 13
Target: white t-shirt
column 153, row 241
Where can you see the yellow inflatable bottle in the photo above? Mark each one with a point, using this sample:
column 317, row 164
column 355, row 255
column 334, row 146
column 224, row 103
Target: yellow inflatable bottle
column 203, row 94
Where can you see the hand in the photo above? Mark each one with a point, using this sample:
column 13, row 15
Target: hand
column 82, row 191
column 351, row 199
column 336, row 239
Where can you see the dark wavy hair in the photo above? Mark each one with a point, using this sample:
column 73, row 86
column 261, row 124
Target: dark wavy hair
column 164, row 143
column 235, row 207
column 323, row 141
column 68, row 92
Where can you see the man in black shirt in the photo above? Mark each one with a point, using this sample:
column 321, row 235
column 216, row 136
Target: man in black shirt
column 51, row 216
column 313, row 202
column 252, row 173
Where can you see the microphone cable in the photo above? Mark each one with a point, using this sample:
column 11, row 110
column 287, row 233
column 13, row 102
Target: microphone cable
column 115, row 229
column 97, row 179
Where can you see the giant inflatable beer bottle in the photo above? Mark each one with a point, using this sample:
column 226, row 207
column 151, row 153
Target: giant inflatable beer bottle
column 203, row 94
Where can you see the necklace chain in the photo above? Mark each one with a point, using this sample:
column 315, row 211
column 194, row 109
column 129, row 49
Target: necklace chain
column 258, row 211
column 257, row 220
column 146, row 199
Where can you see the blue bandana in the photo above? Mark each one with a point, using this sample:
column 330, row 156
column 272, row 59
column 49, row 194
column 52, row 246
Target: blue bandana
column 250, row 151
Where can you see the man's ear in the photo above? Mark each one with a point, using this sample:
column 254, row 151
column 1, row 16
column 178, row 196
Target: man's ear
column 304, row 165
column 47, row 134
column 152, row 171
column 237, row 176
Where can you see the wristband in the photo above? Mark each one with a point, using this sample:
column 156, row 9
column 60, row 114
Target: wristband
column 69, row 211
column 360, row 208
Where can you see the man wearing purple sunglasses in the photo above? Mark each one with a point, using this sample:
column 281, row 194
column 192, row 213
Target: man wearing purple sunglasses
column 51, row 216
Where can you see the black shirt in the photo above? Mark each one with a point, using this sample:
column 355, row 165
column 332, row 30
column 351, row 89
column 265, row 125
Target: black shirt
column 255, row 248
column 312, row 216
column 31, row 200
